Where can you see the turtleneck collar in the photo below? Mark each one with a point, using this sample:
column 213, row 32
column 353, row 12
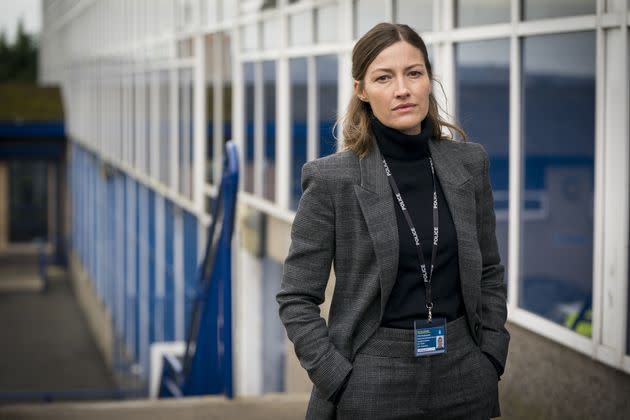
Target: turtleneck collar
column 394, row 144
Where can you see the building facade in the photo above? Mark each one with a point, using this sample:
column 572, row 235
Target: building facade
column 153, row 88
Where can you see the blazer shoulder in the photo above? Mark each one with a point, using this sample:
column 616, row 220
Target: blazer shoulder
column 337, row 167
column 472, row 155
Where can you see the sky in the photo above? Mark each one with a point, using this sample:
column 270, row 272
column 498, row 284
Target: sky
column 12, row 10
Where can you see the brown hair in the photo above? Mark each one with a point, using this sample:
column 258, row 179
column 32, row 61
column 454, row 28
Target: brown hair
column 357, row 133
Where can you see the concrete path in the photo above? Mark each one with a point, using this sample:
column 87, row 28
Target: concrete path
column 269, row 407
column 46, row 344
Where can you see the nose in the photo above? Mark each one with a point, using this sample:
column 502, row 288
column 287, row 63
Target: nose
column 402, row 90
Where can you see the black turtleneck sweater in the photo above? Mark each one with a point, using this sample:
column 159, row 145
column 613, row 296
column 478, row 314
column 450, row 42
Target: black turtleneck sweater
column 408, row 159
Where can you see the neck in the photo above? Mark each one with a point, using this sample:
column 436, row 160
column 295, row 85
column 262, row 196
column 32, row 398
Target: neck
column 397, row 145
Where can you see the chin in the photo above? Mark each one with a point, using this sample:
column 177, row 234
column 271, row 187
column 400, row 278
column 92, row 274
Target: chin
column 413, row 128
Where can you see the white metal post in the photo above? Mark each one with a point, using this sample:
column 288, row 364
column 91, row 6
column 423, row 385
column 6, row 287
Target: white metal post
column 515, row 163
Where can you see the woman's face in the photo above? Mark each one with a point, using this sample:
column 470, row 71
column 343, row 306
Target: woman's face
column 397, row 87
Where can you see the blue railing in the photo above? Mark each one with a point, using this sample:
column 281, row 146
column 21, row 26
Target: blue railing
column 206, row 367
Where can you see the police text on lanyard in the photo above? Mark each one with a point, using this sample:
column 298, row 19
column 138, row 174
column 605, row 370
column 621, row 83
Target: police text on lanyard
column 426, row 276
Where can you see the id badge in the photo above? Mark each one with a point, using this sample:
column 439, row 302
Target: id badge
column 430, row 337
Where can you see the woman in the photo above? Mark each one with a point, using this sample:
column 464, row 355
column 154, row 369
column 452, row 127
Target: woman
column 406, row 218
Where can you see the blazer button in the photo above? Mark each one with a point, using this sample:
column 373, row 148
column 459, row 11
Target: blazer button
column 476, row 328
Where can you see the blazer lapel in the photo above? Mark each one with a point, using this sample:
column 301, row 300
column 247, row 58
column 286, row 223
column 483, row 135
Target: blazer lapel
column 460, row 196
column 377, row 205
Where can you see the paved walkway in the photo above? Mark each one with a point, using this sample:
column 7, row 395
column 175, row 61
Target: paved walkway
column 46, row 344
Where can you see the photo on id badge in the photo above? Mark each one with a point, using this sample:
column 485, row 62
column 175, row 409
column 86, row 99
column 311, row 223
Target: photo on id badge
column 430, row 337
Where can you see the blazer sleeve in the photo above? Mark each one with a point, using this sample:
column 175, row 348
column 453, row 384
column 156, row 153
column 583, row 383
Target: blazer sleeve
column 495, row 337
column 305, row 276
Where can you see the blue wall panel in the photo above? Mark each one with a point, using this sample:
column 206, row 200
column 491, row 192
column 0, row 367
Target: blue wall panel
column 190, row 264
column 152, row 264
column 106, row 238
column 169, row 280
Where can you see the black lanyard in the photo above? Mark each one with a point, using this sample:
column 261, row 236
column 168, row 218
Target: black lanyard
column 426, row 276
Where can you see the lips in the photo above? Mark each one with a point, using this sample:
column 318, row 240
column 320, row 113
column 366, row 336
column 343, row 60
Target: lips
column 403, row 107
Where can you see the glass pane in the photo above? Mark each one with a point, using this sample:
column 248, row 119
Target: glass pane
column 210, row 161
column 271, row 33
column 483, row 109
column 542, row 9
column 164, row 131
column 481, row 12
column 227, row 9
column 298, row 106
column 250, row 37
column 248, row 153
column 268, row 4
column 326, row 18
column 367, row 13
column 28, row 201
column 269, row 164
column 416, row 13
column 327, row 75
column 301, row 26
column 227, row 89
column 185, row 145
column 557, row 207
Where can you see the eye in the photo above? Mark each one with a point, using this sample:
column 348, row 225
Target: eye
column 415, row 73
column 382, row 78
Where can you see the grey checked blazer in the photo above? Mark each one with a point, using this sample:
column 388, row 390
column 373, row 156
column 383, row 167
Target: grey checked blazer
column 346, row 218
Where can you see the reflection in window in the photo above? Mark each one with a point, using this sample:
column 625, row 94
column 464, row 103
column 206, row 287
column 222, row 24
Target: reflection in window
column 481, row 12
column 327, row 88
column 416, row 13
column 483, row 99
column 559, row 130
column 367, row 13
column 298, row 106
column 248, row 153
column 269, row 163
column 301, row 26
column 543, row 9
column 326, row 22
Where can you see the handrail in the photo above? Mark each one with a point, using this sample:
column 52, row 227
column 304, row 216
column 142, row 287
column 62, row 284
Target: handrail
column 206, row 367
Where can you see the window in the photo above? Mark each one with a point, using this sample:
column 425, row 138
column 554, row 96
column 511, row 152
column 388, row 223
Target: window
column 416, row 13
column 248, row 153
column 269, row 159
column 559, row 130
column 301, row 27
column 542, row 9
column 481, row 12
column 326, row 23
column 327, row 88
column 483, row 99
column 271, row 33
column 298, row 69
column 367, row 13
column 185, row 150
column 250, row 37
column 164, row 127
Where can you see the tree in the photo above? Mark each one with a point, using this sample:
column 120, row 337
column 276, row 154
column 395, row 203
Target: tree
column 18, row 61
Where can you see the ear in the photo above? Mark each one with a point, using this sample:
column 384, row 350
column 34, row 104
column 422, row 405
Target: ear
column 359, row 91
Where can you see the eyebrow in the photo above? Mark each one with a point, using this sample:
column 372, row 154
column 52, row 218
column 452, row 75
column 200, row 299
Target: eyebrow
column 406, row 68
